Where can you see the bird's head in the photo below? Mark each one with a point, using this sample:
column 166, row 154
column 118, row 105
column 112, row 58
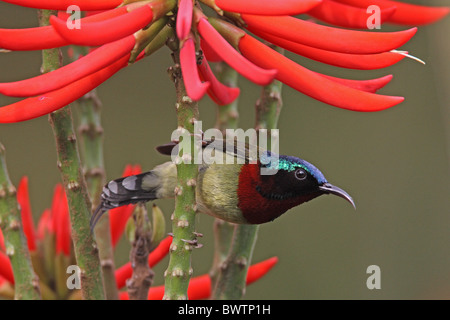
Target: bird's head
column 264, row 197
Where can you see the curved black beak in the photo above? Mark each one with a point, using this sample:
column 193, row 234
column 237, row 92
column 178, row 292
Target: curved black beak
column 330, row 189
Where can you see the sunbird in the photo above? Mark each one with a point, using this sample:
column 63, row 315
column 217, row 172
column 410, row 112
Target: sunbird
column 235, row 192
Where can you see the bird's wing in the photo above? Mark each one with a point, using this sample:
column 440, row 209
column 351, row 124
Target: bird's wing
column 250, row 153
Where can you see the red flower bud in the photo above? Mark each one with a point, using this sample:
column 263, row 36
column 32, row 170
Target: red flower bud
column 45, row 224
column 268, row 7
column 62, row 225
column 25, row 210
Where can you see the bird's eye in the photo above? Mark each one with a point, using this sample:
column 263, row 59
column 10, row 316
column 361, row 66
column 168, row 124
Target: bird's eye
column 300, row 174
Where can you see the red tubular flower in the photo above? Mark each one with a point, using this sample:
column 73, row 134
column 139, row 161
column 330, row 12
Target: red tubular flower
column 188, row 60
column 313, row 84
column 26, row 215
column 38, row 106
column 85, row 66
column 372, row 85
column 347, row 16
column 327, row 38
column 61, row 222
column 85, row 5
column 406, row 13
column 99, row 33
column 344, row 60
column 6, row 268
column 184, row 18
column 45, row 224
column 268, row 7
column 218, row 92
column 209, row 52
column 118, row 217
column 125, row 272
column 200, row 287
column 232, row 57
column 46, row 37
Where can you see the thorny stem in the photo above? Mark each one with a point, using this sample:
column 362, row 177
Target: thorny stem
column 26, row 282
column 179, row 271
column 142, row 278
column 69, row 164
column 91, row 134
column 230, row 283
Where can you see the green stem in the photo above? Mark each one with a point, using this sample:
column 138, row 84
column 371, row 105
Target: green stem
column 179, row 271
column 69, row 164
column 26, row 282
column 142, row 278
column 230, row 283
column 91, row 136
column 227, row 118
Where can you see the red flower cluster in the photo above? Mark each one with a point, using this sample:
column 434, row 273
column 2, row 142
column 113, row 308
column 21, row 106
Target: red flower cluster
column 122, row 31
column 50, row 249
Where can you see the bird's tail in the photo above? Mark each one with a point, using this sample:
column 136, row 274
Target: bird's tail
column 129, row 190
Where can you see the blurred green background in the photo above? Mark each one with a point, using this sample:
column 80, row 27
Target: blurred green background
column 394, row 163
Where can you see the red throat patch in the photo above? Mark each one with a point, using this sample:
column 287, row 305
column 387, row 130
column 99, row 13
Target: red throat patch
column 257, row 209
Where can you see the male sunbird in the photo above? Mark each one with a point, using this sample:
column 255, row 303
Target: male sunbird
column 238, row 193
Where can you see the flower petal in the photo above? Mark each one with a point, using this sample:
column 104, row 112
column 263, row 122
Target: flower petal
column 188, row 60
column 218, row 92
column 85, row 5
column 34, row 107
column 25, row 211
column 46, row 37
column 343, row 60
column 347, row 16
column 99, row 33
column 313, row 84
column 232, row 57
column 83, row 67
column 44, row 224
column 372, row 85
column 209, row 52
column 406, row 13
column 268, row 7
column 62, row 227
column 184, row 18
column 328, row 38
